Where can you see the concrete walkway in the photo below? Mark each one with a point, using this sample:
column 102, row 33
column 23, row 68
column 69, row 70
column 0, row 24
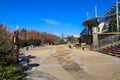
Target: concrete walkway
column 95, row 65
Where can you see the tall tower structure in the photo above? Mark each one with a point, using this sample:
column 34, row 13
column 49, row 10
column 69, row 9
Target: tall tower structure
column 96, row 12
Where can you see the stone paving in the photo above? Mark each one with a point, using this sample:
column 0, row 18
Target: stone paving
column 95, row 65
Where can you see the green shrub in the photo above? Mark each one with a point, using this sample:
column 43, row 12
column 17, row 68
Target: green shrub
column 11, row 73
column 8, row 70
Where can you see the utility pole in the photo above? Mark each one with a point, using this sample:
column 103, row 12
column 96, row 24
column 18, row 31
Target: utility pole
column 87, row 19
column 62, row 38
column 87, row 15
column 117, row 16
column 96, row 12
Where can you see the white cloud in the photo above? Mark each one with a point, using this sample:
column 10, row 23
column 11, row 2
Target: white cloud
column 53, row 22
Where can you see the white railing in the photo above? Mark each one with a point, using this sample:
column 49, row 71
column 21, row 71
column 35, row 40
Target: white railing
column 109, row 41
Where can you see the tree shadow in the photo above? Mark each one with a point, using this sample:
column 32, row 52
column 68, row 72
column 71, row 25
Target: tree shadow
column 24, row 62
column 34, row 65
column 29, row 56
column 29, row 67
column 25, row 59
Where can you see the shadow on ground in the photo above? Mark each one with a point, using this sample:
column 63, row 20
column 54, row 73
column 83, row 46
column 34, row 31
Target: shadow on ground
column 39, row 75
column 24, row 62
column 33, row 65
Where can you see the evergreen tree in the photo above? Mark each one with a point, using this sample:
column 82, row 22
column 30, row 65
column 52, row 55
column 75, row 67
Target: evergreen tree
column 113, row 24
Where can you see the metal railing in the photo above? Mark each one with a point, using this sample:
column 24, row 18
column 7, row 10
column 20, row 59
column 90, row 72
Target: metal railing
column 109, row 41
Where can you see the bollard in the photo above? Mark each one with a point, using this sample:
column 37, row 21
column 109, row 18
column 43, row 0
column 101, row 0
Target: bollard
column 82, row 48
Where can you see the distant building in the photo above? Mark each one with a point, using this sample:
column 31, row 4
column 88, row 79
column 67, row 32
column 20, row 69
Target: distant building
column 76, row 37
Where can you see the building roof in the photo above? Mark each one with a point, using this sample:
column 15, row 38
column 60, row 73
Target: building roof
column 91, row 22
column 111, row 11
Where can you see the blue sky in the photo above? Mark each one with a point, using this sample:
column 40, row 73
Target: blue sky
column 54, row 16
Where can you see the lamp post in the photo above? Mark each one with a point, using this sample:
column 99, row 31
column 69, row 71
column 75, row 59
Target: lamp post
column 16, row 46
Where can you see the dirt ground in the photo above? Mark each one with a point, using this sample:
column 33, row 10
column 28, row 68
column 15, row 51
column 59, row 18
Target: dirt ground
column 63, row 63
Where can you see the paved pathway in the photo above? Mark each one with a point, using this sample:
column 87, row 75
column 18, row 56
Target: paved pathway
column 98, row 66
column 95, row 65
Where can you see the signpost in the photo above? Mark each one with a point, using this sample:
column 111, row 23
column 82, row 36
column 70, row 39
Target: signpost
column 16, row 46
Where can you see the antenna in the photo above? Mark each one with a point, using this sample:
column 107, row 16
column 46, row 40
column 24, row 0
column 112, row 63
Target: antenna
column 96, row 12
column 87, row 15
